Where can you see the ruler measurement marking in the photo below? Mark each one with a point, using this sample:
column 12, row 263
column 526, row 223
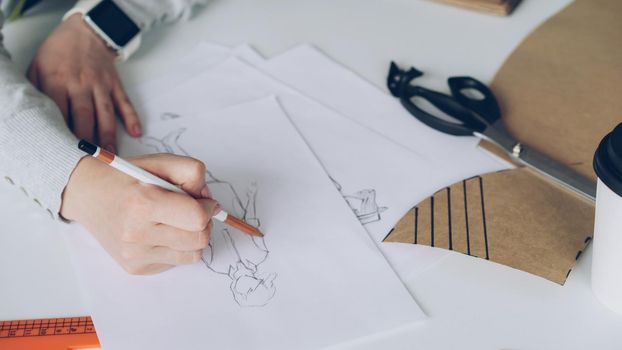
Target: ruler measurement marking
column 46, row 327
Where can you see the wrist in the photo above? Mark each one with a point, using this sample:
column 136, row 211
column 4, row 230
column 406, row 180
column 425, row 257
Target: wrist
column 111, row 24
column 77, row 188
column 84, row 33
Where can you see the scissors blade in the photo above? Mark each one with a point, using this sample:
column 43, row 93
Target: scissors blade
column 546, row 166
column 558, row 173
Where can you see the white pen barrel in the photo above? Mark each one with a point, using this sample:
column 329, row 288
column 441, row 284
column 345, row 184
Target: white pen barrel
column 142, row 175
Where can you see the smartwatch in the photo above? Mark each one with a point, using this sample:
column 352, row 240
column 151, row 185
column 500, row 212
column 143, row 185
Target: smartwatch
column 111, row 24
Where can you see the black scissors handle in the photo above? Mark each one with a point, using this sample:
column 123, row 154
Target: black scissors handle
column 449, row 105
column 474, row 113
column 486, row 106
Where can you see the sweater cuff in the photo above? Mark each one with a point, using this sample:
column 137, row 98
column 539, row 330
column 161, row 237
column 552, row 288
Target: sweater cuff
column 41, row 154
column 147, row 13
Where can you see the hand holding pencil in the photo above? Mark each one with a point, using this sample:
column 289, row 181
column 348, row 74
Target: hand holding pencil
column 148, row 178
column 146, row 229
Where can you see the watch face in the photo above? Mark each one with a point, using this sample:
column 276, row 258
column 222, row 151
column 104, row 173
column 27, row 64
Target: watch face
column 114, row 22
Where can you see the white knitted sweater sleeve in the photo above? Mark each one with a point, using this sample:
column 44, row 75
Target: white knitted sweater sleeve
column 37, row 151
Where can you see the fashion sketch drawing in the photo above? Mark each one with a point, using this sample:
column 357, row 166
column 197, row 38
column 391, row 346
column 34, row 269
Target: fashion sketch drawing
column 363, row 204
column 230, row 252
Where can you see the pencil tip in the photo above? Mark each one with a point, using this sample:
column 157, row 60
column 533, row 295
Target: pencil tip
column 243, row 226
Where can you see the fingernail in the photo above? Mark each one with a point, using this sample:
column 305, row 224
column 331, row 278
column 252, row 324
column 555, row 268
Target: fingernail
column 216, row 209
column 110, row 148
column 206, row 193
column 136, row 130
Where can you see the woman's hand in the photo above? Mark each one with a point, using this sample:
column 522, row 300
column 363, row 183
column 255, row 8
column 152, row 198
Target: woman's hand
column 75, row 68
column 144, row 228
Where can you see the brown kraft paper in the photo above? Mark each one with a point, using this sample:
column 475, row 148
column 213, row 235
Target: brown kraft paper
column 495, row 7
column 559, row 94
column 511, row 217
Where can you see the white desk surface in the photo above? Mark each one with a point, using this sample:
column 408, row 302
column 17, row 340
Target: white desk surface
column 471, row 304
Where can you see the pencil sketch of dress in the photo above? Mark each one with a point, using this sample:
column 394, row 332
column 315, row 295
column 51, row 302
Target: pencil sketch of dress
column 231, row 252
column 363, row 203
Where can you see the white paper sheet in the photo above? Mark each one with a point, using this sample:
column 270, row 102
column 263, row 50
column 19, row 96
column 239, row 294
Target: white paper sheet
column 352, row 154
column 335, row 86
column 380, row 179
column 378, row 111
column 315, row 279
column 315, row 75
column 201, row 57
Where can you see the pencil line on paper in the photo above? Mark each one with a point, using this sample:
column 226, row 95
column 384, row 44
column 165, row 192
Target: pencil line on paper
column 230, row 252
column 466, row 217
column 449, row 217
column 363, row 203
column 388, row 234
column 416, row 223
column 481, row 192
column 432, row 221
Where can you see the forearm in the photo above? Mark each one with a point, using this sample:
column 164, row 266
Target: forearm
column 37, row 151
column 147, row 13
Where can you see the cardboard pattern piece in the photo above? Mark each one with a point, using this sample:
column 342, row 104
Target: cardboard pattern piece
column 560, row 90
column 558, row 94
column 480, row 217
column 495, row 7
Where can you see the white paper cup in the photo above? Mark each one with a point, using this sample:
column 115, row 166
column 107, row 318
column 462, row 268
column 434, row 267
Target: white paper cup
column 607, row 249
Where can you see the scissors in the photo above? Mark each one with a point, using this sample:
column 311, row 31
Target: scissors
column 477, row 112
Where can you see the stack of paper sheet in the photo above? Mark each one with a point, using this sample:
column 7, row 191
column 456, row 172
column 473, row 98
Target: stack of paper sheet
column 382, row 160
column 322, row 161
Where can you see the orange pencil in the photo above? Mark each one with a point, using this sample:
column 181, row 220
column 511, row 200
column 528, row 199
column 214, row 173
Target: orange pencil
column 146, row 177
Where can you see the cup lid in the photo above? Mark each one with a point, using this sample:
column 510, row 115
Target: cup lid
column 608, row 160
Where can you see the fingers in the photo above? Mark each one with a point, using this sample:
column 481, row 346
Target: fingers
column 180, row 211
column 106, row 123
column 159, row 247
column 187, row 172
column 139, row 257
column 168, row 256
column 170, row 237
column 126, row 110
column 82, row 114
column 160, row 229
column 147, row 269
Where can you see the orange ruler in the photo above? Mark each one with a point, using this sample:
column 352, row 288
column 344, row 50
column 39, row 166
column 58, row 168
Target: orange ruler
column 49, row 334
